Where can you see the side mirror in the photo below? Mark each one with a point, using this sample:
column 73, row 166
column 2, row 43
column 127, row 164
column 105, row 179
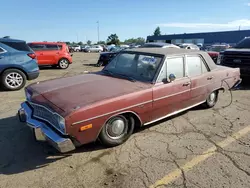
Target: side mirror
column 171, row 77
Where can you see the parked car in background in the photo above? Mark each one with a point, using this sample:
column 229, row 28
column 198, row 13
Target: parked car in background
column 214, row 50
column 54, row 54
column 238, row 56
column 138, row 87
column 189, row 46
column 18, row 63
column 106, row 57
column 94, row 48
column 158, row 45
column 77, row 48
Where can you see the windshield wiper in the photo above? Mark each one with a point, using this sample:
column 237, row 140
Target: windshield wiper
column 119, row 75
column 130, row 78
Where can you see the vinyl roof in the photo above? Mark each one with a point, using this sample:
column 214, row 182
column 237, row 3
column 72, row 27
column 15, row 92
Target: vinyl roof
column 165, row 51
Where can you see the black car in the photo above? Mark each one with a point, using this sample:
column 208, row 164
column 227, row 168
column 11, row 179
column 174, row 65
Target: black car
column 237, row 57
column 106, row 57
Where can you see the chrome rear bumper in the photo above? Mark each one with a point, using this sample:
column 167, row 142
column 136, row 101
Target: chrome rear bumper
column 43, row 132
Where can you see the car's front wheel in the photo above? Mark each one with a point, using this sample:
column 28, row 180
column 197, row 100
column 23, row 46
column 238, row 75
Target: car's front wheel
column 63, row 63
column 13, row 79
column 117, row 130
column 211, row 99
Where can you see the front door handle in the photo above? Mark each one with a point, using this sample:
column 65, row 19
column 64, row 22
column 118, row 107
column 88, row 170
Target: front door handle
column 210, row 78
column 187, row 84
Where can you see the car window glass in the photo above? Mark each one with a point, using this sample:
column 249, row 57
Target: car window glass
column 1, row 50
column 51, row 47
column 163, row 73
column 139, row 66
column 37, row 47
column 21, row 46
column 203, row 67
column 194, row 64
column 175, row 66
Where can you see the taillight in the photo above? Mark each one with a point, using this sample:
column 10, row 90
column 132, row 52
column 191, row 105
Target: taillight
column 32, row 55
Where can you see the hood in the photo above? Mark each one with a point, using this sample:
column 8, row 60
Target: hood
column 237, row 51
column 82, row 90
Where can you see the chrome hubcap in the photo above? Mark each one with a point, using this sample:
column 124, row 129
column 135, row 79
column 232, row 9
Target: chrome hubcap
column 64, row 63
column 115, row 129
column 14, row 80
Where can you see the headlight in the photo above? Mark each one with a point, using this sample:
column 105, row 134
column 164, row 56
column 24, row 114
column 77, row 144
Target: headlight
column 61, row 122
column 219, row 59
column 27, row 95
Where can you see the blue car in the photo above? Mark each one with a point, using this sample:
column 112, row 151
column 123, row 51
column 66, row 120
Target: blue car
column 18, row 63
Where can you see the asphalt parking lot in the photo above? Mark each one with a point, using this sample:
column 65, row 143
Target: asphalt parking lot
column 196, row 149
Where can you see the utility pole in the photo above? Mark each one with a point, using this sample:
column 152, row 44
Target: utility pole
column 239, row 27
column 98, row 31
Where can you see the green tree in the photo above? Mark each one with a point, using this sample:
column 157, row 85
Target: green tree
column 89, row 42
column 157, row 31
column 80, row 43
column 113, row 39
column 138, row 40
column 68, row 43
column 101, row 42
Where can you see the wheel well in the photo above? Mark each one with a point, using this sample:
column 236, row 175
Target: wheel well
column 138, row 122
column 16, row 69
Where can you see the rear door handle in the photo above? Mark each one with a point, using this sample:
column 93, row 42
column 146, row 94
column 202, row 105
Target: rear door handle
column 187, row 84
column 210, row 78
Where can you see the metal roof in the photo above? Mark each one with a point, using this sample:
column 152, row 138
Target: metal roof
column 209, row 37
column 10, row 40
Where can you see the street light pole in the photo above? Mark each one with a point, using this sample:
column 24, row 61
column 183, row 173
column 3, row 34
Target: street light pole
column 98, row 31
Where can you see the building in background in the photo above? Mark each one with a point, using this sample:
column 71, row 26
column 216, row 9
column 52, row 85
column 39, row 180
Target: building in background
column 229, row 37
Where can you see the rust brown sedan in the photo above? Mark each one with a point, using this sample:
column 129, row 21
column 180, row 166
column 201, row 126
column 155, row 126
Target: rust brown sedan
column 138, row 87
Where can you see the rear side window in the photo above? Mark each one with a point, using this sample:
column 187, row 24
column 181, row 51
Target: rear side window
column 37, row 47
column 52, row 47
column 1, row 50
column 195, row 66
column 21, row 46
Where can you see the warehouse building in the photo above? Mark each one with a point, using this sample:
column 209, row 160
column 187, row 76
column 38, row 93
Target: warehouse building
column 230, row 37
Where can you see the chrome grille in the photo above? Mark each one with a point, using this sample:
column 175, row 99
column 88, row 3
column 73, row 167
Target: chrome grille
column 46, row 115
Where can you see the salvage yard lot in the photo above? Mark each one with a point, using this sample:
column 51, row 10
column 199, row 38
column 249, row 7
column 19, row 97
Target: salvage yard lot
column 198, row 148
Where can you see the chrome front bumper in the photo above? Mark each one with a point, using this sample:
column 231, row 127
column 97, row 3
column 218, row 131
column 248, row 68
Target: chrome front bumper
column 43, row 132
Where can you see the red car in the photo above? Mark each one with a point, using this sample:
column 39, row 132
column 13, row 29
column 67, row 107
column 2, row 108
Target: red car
column 138, row 87
column 52, row 53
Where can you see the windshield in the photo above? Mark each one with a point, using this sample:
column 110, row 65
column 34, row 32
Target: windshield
column 245, row 43
column 136, row 66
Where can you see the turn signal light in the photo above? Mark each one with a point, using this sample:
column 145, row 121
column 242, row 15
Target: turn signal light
column 85, row 127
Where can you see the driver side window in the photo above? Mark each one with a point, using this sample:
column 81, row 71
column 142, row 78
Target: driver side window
column 173, row 65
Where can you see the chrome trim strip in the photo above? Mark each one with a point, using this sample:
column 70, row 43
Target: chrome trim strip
column 4, row 51
column 171, row 95
column 116, row 111
column 54, row 113
column 173, row 113
column 43, row 132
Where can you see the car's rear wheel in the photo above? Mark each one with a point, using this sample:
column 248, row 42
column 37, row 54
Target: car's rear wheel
column 117, row 130
column 211, row 99
column 13, row 79
column 63, row 63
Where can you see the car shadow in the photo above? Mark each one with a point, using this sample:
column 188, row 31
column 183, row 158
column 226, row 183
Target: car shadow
column 21, row 153
column 47, row 67
column 90, row 65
